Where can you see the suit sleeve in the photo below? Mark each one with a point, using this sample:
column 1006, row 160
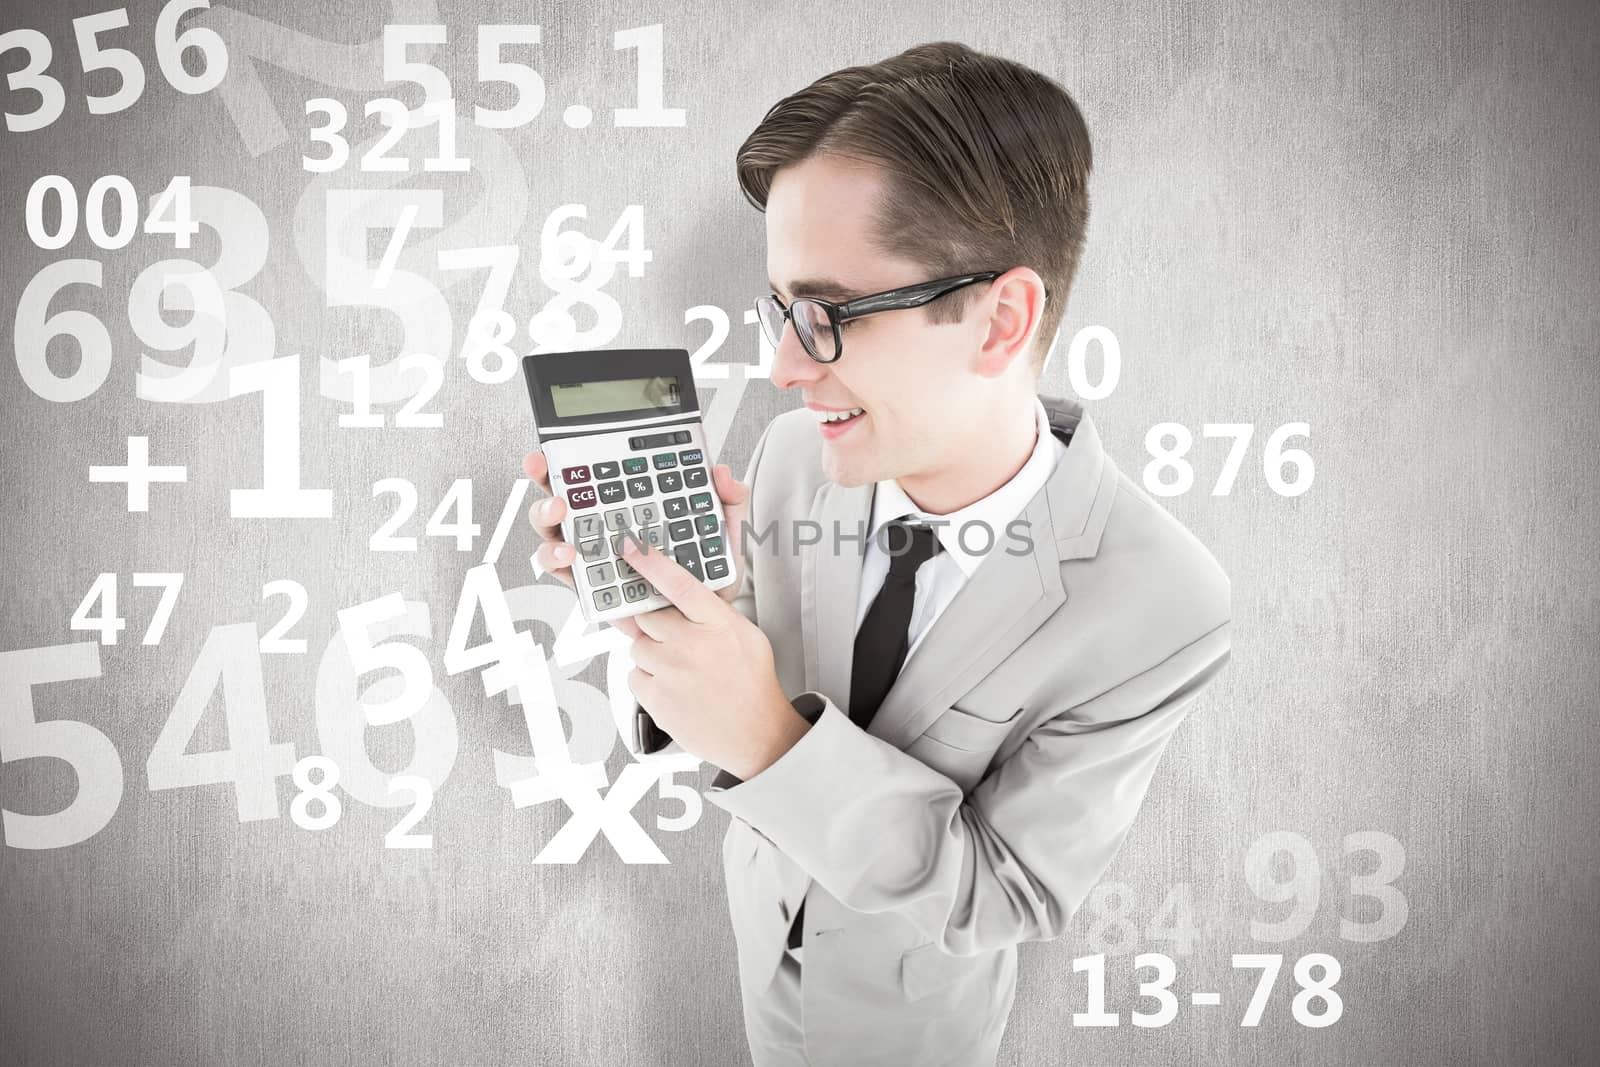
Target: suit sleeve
column 1011, row 862
column 649, row 738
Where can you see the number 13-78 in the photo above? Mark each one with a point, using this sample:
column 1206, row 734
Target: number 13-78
column 1314, row 989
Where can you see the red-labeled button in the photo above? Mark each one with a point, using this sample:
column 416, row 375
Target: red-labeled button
column 582, row 497
column 575, row 474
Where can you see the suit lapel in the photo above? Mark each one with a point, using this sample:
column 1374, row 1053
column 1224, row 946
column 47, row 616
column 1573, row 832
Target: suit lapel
column 830, row 587
column 1008, row 597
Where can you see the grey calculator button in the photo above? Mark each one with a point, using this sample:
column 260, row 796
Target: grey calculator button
column 681, row 530
column 711, row 546
column 592, row 550
column 686, row 552
column 664, row 460
column 585, row 526
column 694, row 477
column 692, row 566
column 700, row 501
column 688, row 456
column 610, row 492
column 675, row 507
column 705, row 525
column 654, row 536
column 617, row 540
column 646, row 514
column 605, row 470
column 638, row 487
column 600, row 574
column 625, row 569
column 607, row 598
column 670, row 482
column 637, row 590
column 617, row 519
column 681, row 437
column 716, row 568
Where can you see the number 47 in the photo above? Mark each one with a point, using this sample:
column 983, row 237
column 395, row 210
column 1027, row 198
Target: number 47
column 108, row 623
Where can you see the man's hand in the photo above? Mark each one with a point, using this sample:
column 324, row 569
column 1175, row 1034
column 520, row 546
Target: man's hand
column 554, row 556
column 705, row 673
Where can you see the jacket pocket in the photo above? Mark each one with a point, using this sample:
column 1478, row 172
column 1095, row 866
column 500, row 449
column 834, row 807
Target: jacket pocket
column 967, row 730
column 928, row 968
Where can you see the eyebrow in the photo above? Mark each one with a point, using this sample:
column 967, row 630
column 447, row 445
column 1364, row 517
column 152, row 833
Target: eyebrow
column 826, row 288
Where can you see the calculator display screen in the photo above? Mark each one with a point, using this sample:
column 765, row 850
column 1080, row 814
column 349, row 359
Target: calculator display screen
column 576, row 399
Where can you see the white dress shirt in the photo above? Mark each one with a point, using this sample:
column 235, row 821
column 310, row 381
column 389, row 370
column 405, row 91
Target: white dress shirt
column 941, row 578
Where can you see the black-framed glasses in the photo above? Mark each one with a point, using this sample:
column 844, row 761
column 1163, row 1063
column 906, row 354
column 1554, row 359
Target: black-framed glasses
column 817, row 322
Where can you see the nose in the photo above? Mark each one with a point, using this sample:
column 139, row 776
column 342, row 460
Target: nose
column 791, row 366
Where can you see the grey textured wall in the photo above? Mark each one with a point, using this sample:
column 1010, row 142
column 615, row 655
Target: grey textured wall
column 1378, row 219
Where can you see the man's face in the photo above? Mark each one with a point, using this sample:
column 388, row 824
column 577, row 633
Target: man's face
column 918, row 385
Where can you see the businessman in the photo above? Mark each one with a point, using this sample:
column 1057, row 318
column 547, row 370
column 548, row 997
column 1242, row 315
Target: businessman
column 932, row 739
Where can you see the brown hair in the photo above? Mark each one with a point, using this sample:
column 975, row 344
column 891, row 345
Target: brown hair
column 986, row 161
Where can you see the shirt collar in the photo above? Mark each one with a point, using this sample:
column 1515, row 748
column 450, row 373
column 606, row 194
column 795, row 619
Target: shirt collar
column 890, row 502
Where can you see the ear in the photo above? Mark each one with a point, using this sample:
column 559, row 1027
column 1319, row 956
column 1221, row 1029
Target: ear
column 1014, row 306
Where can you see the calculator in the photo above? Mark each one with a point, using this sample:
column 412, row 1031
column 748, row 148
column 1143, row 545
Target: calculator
column 621, row 432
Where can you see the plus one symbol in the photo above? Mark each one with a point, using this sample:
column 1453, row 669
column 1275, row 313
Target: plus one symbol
column 138, row 474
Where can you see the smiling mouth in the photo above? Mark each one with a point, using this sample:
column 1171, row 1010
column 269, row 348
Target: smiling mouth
column 829, row 418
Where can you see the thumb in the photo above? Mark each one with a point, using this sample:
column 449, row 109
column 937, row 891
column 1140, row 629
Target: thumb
column 735, row 497
column 730, row 489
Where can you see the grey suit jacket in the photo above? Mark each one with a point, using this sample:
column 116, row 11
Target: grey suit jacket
column 1003, row 769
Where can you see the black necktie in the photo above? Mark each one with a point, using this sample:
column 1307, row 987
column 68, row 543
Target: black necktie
column 884, row 637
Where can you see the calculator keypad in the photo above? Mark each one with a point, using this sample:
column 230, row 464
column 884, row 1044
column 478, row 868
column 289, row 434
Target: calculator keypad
column 644, row 494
